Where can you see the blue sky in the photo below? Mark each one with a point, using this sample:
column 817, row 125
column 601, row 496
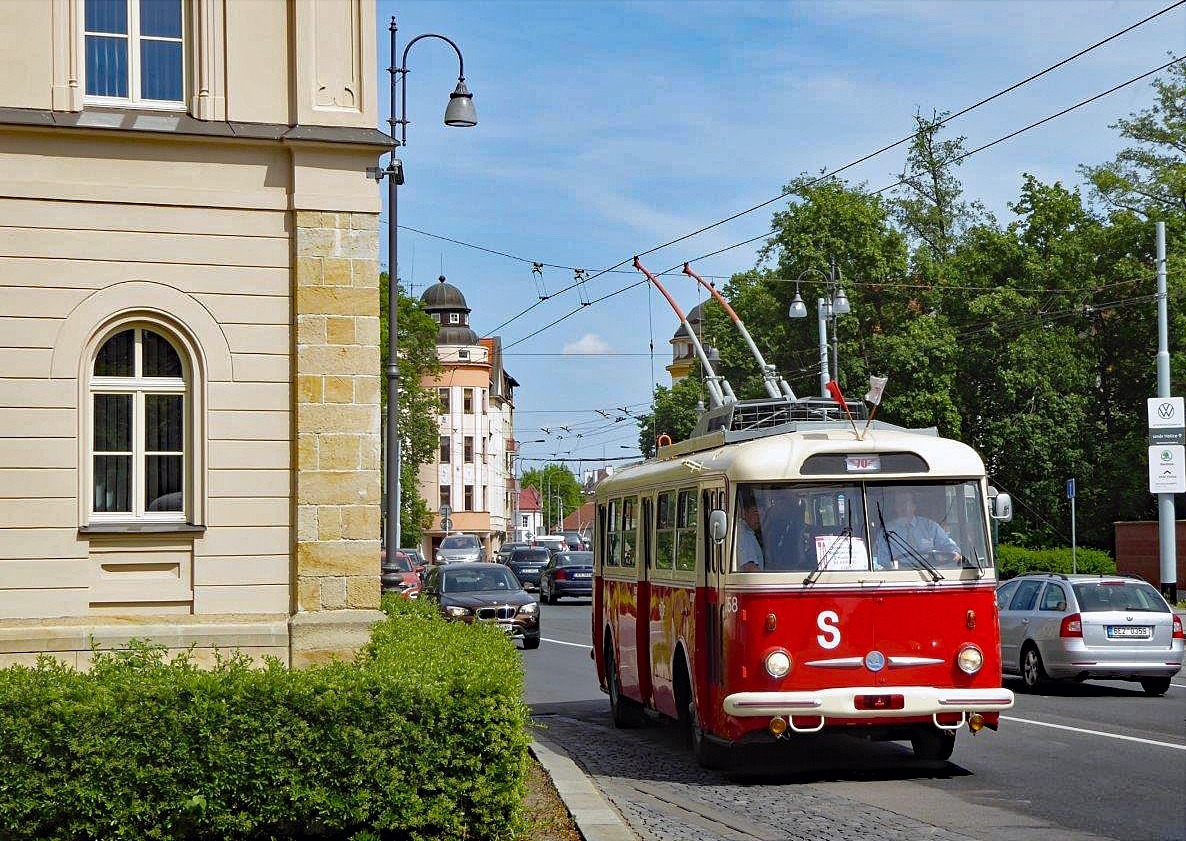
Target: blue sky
column 608, row 128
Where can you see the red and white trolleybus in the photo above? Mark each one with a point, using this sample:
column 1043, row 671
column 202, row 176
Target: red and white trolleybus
column 779, row 573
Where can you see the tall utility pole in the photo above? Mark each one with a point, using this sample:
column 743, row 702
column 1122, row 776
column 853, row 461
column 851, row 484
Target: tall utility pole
column 1166, row 527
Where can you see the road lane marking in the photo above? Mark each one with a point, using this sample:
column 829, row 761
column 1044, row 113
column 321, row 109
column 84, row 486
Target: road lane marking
column 562, row 642
column 1095, row 733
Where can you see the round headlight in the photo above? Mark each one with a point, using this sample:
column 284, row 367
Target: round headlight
column 970, row 659
column 778, row 663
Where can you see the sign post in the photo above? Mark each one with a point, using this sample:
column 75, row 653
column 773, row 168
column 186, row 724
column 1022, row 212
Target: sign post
column 446, row 521
column 1071, row 497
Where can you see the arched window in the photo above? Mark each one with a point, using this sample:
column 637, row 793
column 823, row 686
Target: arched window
column 139, row 435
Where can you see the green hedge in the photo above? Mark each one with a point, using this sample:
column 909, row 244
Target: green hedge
column 1014, row 560
column 423, row 736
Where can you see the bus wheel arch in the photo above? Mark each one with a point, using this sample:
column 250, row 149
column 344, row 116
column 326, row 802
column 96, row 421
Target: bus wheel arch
column 707, row 752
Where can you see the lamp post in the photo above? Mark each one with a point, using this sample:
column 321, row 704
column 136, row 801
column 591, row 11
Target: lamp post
column 826, row 309
column 459, row 113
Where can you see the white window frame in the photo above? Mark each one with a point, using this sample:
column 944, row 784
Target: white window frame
column 134, row 37
column 139, row 387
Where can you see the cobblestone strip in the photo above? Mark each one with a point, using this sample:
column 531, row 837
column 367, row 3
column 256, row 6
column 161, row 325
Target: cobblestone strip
column 665, row 796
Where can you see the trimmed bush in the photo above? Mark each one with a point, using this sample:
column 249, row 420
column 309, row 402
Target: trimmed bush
column 423, row 736
column 1014, row 560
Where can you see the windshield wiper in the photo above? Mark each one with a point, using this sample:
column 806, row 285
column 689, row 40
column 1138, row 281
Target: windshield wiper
column 920, row 561
column 819, row 567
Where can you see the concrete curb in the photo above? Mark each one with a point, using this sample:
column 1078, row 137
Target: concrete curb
column 595, row 818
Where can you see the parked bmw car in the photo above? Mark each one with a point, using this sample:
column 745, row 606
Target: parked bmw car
column 1110, row 627
column 483, row 592
column 567, row 574
column 460, row 547
column 527, row 563
column 397, row 574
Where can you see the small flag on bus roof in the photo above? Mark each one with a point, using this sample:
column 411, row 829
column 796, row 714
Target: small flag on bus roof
column 837, row 394
column 876, row 386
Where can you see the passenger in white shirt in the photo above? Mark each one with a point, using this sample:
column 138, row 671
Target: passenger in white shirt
column 750, row 557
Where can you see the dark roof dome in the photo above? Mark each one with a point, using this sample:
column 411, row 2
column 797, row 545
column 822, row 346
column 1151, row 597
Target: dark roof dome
column 443, row 296
column 694, row 316
column 456, row 334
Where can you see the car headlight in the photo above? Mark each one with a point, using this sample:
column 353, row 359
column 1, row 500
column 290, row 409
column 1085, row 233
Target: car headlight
column 453, row 610
column 438, row 557
column 778, row 663
column 530, row 609
column 970, row 659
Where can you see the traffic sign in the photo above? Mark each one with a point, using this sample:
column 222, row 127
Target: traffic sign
column 446, row 524
column 1070, row 488
column 1167, row 469
column 1167, row 420
column 445, row 511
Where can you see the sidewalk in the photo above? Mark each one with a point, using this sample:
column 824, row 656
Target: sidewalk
column 596, row 819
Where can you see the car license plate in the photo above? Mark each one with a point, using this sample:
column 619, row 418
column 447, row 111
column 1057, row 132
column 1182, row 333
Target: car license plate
column 582, row 575
column 1136, row 632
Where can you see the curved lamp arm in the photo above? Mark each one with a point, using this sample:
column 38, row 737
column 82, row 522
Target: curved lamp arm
column 459, row 92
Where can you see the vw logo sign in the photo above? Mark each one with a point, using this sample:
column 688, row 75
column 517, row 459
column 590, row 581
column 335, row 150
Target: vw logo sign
column 875, row 661
column 1165, row 411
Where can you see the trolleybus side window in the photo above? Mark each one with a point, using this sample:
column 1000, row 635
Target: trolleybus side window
column 685, row 552
column 665, row 532
column 613, row 548
column 629, row 530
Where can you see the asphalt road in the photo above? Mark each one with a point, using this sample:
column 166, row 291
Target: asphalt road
column 1091, row 760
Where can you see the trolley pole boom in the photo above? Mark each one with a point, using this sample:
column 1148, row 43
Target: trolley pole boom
column 776, row 386
column 712, row 381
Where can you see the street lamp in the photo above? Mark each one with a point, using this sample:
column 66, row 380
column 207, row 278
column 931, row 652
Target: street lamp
column 826, row 308
column 459, row 113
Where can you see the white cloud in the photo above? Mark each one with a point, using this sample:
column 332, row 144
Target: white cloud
column 588, row 343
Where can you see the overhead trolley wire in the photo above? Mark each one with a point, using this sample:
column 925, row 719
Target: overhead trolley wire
column 783, row 196
column 954, row 159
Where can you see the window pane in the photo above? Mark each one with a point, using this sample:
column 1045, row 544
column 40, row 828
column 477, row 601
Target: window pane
column 106, row 66
column 107, row 16
column 160, row 70
column 163, row 423
column 113, row 423
column 115, row 357
column 161, row 18
column 160, row 360
column 162, row 483
column 113, row 483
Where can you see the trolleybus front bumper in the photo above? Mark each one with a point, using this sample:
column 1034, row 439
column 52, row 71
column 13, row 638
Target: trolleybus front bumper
column 868, row 702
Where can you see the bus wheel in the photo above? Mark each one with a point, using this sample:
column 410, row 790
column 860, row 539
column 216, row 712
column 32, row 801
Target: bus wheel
column 707, row 754
column 625, row 712
column 933, row 743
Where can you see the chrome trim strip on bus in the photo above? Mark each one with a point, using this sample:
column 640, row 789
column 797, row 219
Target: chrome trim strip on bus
column 838, row 663
column 858, row 586
column 841, row 702
column 901, row 662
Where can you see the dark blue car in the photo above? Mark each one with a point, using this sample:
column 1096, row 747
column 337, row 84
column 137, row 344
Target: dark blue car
column 567, row 574
column 527, row 563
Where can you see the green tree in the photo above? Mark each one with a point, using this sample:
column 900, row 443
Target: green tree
column 1149, row 179
column 418, row 406
column 674, row 413
column 559, row 492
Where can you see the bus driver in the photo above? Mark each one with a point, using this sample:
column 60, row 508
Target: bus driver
column 908, row 528
column 750, row 557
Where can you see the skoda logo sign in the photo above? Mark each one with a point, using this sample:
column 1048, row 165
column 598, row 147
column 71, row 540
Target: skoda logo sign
column 1165, row 411
column 875, row 661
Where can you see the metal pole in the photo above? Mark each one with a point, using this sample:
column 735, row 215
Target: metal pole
column 822, row 308
column 1074, row 556
column 1166, row 527
column 392, row 464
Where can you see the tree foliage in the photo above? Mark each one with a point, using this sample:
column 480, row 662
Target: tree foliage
column 674, row 413
column 418, row 406
column 1032, row 339
column 559, row 492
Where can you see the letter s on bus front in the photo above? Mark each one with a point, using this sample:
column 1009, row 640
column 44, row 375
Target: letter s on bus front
column 829, row 623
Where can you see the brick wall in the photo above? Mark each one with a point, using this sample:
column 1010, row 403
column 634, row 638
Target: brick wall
column 1138, row 552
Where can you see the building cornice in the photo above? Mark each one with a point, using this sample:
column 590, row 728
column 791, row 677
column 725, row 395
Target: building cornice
column 183, row 125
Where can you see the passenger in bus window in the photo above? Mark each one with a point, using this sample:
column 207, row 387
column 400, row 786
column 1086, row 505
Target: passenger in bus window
column 750, row 557
column 908, row 528
column 783, row 533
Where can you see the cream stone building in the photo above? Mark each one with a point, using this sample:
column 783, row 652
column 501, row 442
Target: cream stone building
column 189, row 390
column 683, row 353
column 473, row 473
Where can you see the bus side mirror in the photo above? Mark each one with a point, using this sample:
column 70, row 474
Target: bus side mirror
column 1002, row 508
column 718, row 524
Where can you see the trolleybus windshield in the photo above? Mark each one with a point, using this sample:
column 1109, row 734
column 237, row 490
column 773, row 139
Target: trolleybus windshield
column 856, row 526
